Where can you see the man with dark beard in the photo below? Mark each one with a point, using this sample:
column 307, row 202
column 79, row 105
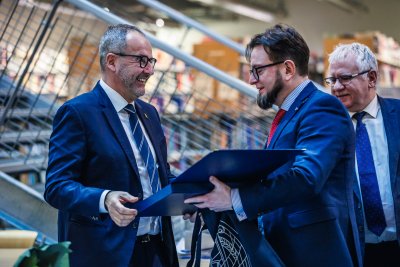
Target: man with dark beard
column 306, row 205
column 265, row 101
column 108, row 151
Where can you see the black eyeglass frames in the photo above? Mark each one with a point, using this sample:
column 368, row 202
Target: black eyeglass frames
column 143, row 60
column 254, row 70
column 343, row 79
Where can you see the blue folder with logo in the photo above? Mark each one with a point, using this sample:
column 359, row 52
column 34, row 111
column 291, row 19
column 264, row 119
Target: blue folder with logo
column 233, row 167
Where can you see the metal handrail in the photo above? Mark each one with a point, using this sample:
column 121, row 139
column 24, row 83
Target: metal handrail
column 188, row 59
column 33, row 213
column 41, row 37
column 178, row 16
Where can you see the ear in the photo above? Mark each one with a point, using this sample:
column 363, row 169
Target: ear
column 372, row 79
column 110, row 61
column 290, row 69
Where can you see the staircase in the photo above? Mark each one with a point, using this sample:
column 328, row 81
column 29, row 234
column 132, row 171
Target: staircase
column 49, row 54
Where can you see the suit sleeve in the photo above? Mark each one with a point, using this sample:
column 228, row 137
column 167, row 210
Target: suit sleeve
column 323, row 130
column 67, row 155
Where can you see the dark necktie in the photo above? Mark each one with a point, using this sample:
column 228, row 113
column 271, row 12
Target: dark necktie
column 278, row 117
column 144, row 148
column 368, row 181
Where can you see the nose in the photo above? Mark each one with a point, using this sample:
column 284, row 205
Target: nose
column 252, row 79
column 337, row 86
column 149, row 69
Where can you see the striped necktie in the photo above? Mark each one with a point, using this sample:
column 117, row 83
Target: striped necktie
column 144, row 148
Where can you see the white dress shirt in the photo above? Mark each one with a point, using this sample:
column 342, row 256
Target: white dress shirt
column 373, row 121
column 147, row 225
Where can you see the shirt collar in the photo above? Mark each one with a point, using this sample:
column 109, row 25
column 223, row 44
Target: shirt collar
column 289, row 100
column 372, row 108
column 116, row 99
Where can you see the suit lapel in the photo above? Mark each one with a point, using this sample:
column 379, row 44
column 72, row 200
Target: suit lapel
column 115, row 124
column 295, row 107
column 147, row 122
column 392, row 132
column 356, row 190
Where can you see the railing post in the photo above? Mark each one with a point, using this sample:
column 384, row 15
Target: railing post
column 10, row 102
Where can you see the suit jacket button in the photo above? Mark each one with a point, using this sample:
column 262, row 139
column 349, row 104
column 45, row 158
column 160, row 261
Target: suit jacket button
column 134, row 225
column 361, row 228
column 139, row 195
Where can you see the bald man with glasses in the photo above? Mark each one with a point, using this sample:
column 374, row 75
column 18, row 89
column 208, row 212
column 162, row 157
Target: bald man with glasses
column 353, row 76
column 108, row 151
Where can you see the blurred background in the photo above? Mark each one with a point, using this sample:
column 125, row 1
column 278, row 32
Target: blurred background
column 48, row 54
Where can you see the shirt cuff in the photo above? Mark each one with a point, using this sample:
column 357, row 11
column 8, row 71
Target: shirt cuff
column 102, row 207
column 237, row 204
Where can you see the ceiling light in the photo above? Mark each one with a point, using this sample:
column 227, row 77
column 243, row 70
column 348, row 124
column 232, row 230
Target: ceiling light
column 160, row 22
column 241, row 9
column 347, row 5
column 250, row 12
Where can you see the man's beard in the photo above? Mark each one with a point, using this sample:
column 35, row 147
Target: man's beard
column 130, row 83
column 265, row 101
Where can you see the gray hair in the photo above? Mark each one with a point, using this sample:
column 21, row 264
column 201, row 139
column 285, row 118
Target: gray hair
column 365, row 59
column 114, row 41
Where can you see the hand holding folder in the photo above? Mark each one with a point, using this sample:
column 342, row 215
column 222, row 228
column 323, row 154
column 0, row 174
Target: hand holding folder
column 233, row 167
column 219, row 199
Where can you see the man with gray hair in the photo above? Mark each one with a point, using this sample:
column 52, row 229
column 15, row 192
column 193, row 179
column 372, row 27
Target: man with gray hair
column 353, row 75
column 108, row 151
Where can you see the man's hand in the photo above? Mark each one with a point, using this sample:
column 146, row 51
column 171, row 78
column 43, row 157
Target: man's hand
column 217, row 200
column 121, row 215
column 191, row 217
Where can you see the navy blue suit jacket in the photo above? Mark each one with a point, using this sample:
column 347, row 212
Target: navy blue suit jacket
column 90, row 152
column 308, row 204
column 391, row 119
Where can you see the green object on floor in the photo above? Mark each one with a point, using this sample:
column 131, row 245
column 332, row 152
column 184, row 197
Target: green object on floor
column 55, row 255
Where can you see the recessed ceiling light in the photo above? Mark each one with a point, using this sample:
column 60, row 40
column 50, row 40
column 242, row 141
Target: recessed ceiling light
column 160, row 22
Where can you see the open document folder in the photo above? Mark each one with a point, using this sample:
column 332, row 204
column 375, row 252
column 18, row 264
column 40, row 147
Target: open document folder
column 233, row 167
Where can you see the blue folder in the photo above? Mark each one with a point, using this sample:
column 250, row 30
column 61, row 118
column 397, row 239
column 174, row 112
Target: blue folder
column 233, row 167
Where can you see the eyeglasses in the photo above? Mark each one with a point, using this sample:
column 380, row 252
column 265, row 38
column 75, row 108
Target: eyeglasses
column 254, row 70
column 343, row 79
column 143, row 60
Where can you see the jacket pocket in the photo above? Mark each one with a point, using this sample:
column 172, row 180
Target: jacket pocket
column 88, row 220
column 308, row 217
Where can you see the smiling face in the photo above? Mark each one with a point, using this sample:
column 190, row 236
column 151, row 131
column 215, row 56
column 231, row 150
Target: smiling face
column 270, row 82
column 129, row 79
column 360, row 91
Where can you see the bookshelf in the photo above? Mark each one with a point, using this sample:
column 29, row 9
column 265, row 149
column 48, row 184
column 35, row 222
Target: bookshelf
column 387, row 51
